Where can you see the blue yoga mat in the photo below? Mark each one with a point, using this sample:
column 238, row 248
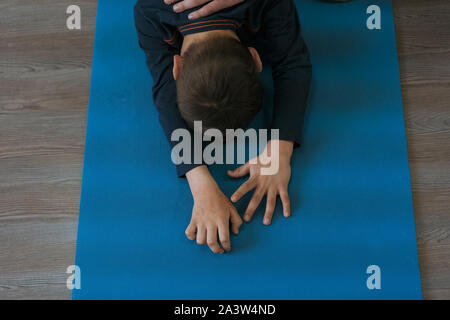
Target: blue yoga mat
column 350, row 187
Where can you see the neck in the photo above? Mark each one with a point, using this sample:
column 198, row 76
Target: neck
column 202, row 36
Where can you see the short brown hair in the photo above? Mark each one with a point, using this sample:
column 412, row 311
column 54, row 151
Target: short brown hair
column 219, row 85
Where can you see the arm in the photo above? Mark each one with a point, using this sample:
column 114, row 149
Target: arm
column 159, row 59
column 212, row 210
column 288, row 55
column 291, row 72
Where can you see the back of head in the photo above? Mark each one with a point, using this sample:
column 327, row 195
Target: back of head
column 219, row 85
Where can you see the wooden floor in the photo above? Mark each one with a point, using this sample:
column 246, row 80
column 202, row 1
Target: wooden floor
column 44, row 91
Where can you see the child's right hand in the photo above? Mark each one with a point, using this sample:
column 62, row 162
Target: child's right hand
column 212, row 212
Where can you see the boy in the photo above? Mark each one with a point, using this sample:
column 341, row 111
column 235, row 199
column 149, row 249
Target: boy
column 208, row 70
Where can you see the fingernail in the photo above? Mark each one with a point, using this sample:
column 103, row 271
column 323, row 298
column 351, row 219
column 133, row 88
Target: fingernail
column 167, row 1
column 191, row 16
column 233, row 198
column 286, row 214
column 176, row 7
column 266, row 221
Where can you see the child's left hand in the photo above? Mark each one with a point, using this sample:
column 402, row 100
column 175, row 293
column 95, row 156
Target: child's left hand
column 266, row 185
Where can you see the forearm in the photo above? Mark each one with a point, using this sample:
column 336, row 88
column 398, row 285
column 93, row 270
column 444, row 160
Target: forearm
column 288, row 56
column 285, row 150
column 200, row 178
column 170, row 120
column 291, row 91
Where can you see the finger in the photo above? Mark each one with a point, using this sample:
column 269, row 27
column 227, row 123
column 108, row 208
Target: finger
column 253, row 205
column 187, row 4
column 170, row 1
column 190, row 231
column 270, row 207
column 242, row 190
column 212, row 240
column 240, row 171
column 211, row 8
column 201, row 235
column 224, row 236
column 236, row 221
column 285, row 201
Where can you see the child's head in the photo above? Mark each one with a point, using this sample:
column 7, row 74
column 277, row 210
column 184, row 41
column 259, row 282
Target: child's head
column 219, row 84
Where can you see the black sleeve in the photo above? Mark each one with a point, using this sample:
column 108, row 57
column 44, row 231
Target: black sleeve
column 291, row 68
column 159, row 58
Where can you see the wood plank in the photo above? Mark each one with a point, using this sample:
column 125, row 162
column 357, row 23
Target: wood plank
column 423, row 41
column 44, row 91
column 35, row 252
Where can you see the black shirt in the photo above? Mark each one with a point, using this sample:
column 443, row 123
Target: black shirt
column 271, row 26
